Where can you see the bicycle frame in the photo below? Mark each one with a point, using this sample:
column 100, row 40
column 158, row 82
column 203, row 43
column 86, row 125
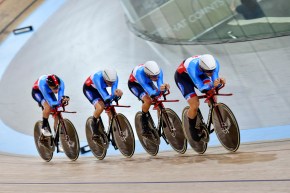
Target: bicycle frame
column 211, row 100
column 58, row 114
column 158, row 104
column 111, row 109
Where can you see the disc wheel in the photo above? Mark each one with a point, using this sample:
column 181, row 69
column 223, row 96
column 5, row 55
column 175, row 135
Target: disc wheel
column 123, row 135
column 200, row 147
column 151, row 142
column 70, row 142
column 226, row 127
column 44, row 145
column 99, row 151
column 172, row 127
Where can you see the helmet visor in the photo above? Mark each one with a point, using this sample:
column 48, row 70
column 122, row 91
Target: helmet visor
column 153, row 77
column 207, row 71
column 54, row 87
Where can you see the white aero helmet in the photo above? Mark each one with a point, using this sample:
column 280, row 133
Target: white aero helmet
column 207, row 62
column 151, row 68
column 109, row 75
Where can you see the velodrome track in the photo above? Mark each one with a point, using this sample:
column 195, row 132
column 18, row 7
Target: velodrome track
column 75, row 38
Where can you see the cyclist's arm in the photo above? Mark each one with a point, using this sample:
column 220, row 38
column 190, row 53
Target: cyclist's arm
column 100, row 85
column 61, row 90
column 216, row 72
column 142, row 81
column 160, row 80
column 114, row 88
column 198, row 82
column 45, row 92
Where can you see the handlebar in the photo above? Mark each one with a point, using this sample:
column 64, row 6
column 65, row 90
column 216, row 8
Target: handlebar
column 213, row 92
column 156, row 100
column 61, row 109
column 108, row 106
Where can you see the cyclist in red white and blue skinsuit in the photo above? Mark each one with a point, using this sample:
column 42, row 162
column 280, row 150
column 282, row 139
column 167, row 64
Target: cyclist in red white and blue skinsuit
column 201, row 72
column 95, row 90
column 141, row 85
column 43, row 92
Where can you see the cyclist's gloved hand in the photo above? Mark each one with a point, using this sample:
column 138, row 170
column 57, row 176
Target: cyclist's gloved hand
column 65, row 100
column 65, row 97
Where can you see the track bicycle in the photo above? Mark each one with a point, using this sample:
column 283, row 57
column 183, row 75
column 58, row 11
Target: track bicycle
column 65, row 133
column 119, row 133
column 169, row 127
column 224, row 122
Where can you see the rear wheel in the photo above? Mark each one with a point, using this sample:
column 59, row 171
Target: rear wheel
column 200, row 147
column 99, row 151
column 70, row 142
column 123, row 135
column 172, row 127
column 44, row 145
column 226, row 127
column 151, row 142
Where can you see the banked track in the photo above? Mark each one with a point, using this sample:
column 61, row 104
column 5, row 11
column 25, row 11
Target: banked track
column 256, row 167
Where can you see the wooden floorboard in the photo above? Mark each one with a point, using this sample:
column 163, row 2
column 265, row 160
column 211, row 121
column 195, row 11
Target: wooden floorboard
column 256, row 167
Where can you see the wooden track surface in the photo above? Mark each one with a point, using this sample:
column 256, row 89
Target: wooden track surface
column 257, row 167
column 13, row 12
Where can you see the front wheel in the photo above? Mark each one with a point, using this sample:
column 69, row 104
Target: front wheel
column 151, row 142
column 226, row 127
column 70, row 140
column 201, row 146
column 172, row 127
column 123, row 135
column 44, row 145
column 99, row 151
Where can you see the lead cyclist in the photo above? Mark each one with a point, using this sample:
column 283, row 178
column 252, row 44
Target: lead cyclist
column 201, row 72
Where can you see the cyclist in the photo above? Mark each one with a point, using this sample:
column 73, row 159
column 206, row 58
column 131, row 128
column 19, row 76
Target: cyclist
column 43, row 92
column 95, row 90
column 141, row 85
column 201, row 72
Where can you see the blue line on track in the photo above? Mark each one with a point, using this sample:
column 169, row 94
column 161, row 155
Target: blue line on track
column 152, row 182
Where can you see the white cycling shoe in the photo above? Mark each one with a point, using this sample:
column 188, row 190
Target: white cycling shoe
column 45, row 132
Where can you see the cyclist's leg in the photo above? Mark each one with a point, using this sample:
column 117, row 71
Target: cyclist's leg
column 95, row 99
column 192, row 117
column 99, row 108
column 145, row 113
column 140, row 93
column 186, row 86
column 39, row 98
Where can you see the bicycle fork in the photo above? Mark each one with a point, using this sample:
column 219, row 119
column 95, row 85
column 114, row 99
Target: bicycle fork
column 215, row 108
column 161, row 125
